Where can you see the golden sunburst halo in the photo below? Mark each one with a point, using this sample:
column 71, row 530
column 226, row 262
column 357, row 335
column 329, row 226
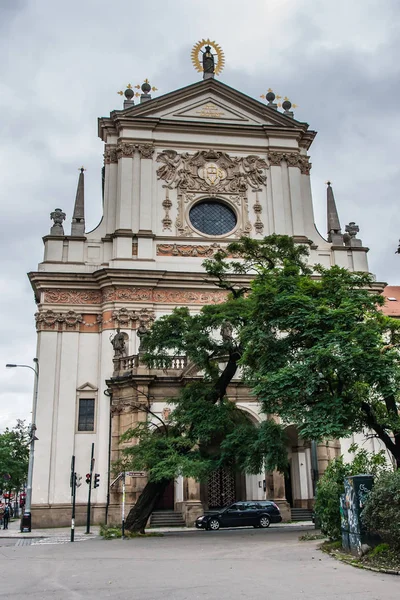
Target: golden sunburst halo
column 197, row 62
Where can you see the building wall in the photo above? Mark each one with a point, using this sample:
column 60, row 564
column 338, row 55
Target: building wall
column 144, row 258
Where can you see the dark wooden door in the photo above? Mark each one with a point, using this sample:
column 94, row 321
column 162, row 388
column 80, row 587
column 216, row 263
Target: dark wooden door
column 167, row 500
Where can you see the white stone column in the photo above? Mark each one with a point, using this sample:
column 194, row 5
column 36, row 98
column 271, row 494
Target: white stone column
column 136, row 192
column 110, row 196
column 302, row 471
column 277, row 200
column 296, row 201
column 125, row 186
column 287, row 207
column 145, row 233
column 49, row 356
column 308, row 211
column 64, row 423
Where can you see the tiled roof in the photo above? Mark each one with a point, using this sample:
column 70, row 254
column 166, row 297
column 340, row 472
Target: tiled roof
column 391, row 308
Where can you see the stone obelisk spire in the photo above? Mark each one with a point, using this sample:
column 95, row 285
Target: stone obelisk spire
column 78, row 218
column 334, row 231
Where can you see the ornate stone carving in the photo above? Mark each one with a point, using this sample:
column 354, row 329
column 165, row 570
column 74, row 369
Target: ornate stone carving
column 352, row 229
column 71, row 318
column 125, row 150
column 189, row 297
column 304, row 165
column 293, row 159
column 110, row 155
column 258, row 225
column 58, row 321
column 59, row 296
column 58, row 216
column 125, row 317
column 128, row 149
column 211, row 171
column 146, row 150
column 167, row 205
column 130, row 294
column 187, row 250
column 133, row 294
column 275, row 158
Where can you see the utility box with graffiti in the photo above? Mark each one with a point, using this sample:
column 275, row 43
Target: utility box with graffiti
column 354, row 533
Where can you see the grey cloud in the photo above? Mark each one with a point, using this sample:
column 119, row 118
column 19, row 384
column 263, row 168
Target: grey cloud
column 64, row 63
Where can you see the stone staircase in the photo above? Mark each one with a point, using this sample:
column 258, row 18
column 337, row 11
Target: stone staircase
column 166, row 518
column 301, row 514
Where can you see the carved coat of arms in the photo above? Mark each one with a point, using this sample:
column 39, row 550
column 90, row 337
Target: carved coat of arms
column 212, row 173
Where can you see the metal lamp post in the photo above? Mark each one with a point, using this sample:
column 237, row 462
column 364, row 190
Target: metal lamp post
column 26, row 521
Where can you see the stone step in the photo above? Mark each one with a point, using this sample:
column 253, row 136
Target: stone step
column 301, row 514
column 166, row 518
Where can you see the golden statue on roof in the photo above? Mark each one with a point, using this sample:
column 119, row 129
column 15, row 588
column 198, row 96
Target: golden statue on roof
column 207, row 61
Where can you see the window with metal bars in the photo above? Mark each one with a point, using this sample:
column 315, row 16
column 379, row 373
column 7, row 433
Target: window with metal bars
column 86, row 414
column 212, row 217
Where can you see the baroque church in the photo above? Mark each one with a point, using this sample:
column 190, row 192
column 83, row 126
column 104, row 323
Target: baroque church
column 184, row 174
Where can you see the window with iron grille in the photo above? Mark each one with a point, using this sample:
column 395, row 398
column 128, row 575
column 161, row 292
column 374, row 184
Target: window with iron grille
column 212, row 217
column 86, row 414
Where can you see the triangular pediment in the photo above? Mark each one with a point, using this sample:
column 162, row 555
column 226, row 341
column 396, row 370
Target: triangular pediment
column 87, row 387
column 210, row 108
column 211, row 101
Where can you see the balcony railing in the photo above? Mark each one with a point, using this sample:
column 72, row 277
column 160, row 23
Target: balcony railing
column 127, row 364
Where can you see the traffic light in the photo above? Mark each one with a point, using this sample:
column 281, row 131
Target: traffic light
column 78, row 480
column 96, row 480
column 88, row 478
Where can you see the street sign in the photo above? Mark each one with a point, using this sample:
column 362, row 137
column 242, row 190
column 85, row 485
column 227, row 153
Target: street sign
column 135, row 473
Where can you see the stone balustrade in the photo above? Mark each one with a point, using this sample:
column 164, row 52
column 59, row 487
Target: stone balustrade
column 127, row 364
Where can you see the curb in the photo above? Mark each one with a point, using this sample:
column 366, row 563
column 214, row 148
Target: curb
column 352, row 563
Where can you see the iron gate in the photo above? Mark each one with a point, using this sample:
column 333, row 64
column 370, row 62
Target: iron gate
column 221, row 488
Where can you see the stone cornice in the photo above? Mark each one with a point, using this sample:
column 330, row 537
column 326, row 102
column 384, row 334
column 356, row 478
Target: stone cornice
column 351, row 248
column 304, row 138
column 141, row 116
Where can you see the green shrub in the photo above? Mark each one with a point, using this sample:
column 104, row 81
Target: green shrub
column 331, row 486
column 379, row 549
column 112, row 532
column 382, row 510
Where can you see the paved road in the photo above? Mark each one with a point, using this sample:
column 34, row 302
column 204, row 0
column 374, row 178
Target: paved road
column 225, row 565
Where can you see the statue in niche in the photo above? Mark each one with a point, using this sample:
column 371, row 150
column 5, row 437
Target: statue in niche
column 141, row 332
column 227, row 332
column 119, row 344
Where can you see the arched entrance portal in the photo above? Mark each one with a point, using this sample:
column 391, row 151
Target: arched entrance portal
column 225, row 486
column 298, row 478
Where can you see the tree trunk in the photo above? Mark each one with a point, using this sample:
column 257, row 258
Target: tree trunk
column 139, row 514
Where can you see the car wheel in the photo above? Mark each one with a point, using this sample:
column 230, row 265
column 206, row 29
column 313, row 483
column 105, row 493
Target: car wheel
column 213, row 524
column 264, row 521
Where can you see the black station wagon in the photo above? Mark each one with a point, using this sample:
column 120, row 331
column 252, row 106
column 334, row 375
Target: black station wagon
column 241, row 514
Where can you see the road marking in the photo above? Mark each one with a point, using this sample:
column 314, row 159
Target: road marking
column 65, row 539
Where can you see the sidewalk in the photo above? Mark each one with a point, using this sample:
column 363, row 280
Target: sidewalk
column 53, row 532
column 13, row 531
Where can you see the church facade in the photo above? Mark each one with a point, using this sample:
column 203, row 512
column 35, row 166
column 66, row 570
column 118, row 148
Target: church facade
column 184, row 174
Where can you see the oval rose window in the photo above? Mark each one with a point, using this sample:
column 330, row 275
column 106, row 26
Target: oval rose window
column 212, row 217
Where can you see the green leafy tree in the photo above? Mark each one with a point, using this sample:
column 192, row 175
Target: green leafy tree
column 331, row 486
column 381, row 513
column 205, row 430
column 314, row 348
column 317, row 349
column 14, row 456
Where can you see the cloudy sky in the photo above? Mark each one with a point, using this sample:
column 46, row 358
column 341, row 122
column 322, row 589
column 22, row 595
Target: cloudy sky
column 63, row 62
